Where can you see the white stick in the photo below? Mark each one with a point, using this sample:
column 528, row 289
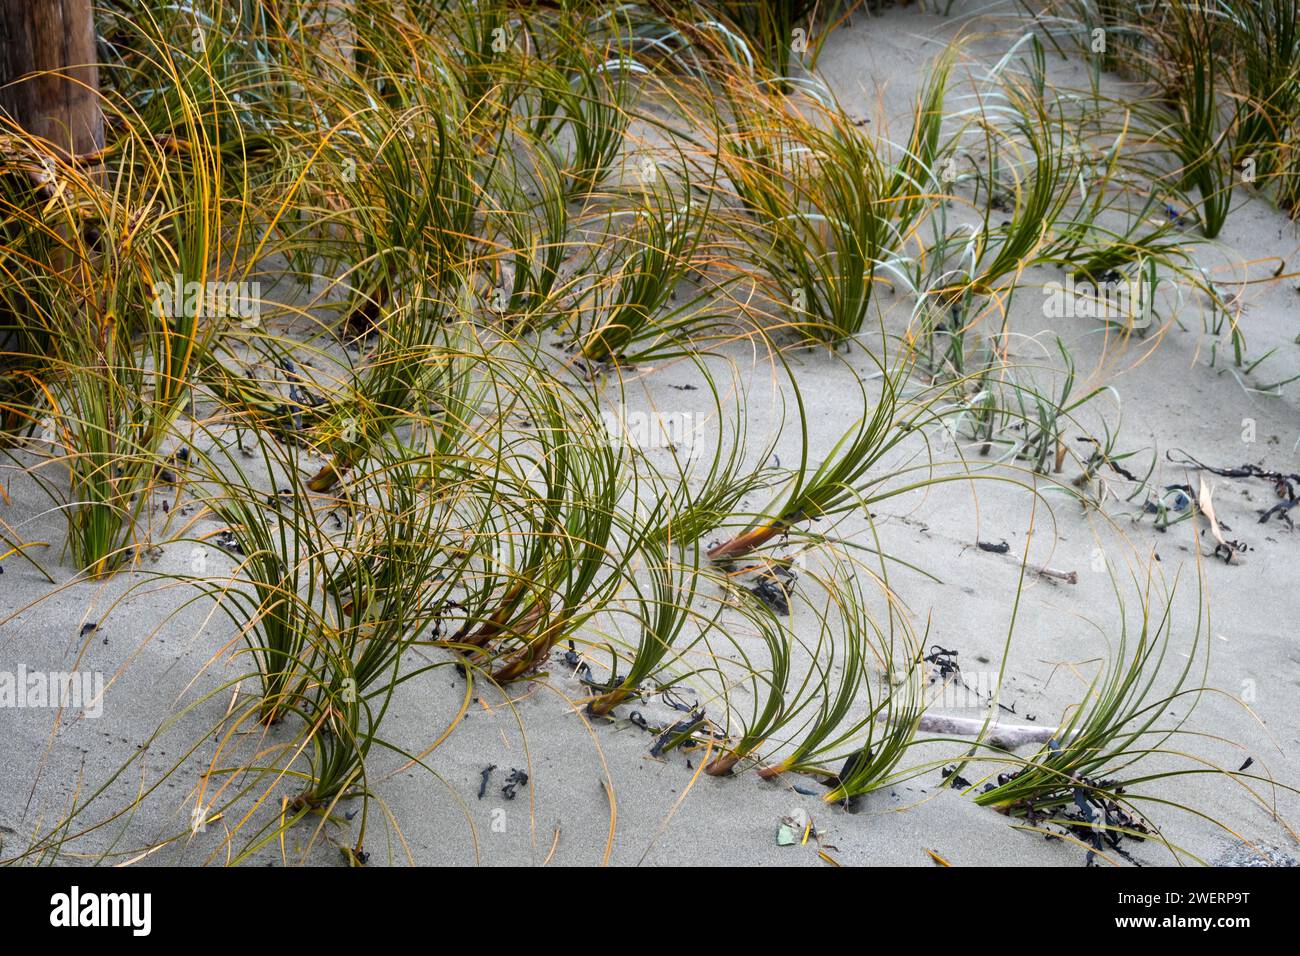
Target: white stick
column 1069, row 577
column 1006, row 736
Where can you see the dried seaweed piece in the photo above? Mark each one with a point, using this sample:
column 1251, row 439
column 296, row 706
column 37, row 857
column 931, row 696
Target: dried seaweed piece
column 226, row 541
column 1243, row 471
column 1099, row 457
column 354, row 857
column 676, row 735
column 582, row 671
column 297, row 390
column 1284, row 483
column 954, row 779
column 676, row 703
column 1225, row 548
column 572, row 658
column 516, row 779
column 944, row 660
column 773, row 589
column 1282, row 510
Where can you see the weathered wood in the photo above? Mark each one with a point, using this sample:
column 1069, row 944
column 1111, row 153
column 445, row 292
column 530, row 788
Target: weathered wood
column 1006, row 736
column 48, row 77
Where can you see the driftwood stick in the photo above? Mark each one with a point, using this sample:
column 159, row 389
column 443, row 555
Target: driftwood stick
column 1006, row 736
column 1069, row 577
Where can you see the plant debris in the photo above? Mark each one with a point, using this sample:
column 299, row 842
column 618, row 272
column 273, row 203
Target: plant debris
column 516, row 779
column 226, row 541
column 954, row 779
column 1225, row 548
column 773, row 589
column 1069, row 577
column 579, row 668
column 687, row 729
column 1100, row 457
column 1095, row 818
column 797, row 827
column 944, row 661
column 677, row 734
column 1284, row 484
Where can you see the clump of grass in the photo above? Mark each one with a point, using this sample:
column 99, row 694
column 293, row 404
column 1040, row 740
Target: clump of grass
column 786, row 704
column 534, row 220
column 663, row 233
column 596, row 102
column 330, row 593
column 1043, row 171
column 704, row 485
column 1026, row 418
column 848, row 477
column 108, row 308
column 829, row 206
column 558, row 561
column 1266, row 36
column 1200, row 130
column 843, row 707
column 661, row 616
column 777, row 32
column 1134, row 710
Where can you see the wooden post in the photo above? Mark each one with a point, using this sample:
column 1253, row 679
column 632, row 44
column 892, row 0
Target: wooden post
column 48, row 77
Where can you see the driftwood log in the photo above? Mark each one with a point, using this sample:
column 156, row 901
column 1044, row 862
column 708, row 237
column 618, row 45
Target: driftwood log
column 48, row 78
